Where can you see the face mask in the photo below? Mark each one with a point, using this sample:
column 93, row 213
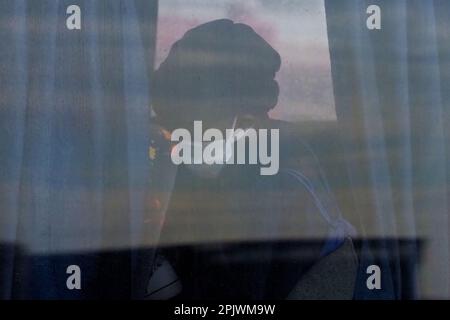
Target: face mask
column 221, row 157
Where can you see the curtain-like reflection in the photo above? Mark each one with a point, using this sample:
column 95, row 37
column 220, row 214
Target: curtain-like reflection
column 391, row 93
column 75, row 122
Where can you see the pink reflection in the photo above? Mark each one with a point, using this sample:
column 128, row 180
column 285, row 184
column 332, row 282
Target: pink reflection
column 297, row 31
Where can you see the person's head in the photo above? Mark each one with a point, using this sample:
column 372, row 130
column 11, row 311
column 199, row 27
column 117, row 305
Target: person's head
column 215, row 72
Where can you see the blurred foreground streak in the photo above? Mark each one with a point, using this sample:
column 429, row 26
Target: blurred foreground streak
column 105, row 276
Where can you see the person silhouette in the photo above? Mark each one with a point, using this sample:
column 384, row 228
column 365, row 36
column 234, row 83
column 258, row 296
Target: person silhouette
column 223, row 73
column 216, row 71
